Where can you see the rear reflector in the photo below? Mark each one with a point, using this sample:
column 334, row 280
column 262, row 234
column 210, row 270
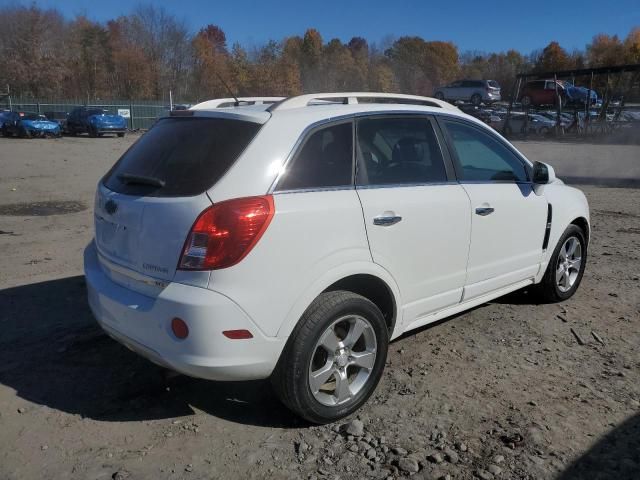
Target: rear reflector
column 237, row 334
column 226, row 232
column 179, row 328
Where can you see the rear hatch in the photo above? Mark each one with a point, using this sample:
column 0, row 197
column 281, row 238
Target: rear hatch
column 147, row 203
column 494, row 87
column 110, row 120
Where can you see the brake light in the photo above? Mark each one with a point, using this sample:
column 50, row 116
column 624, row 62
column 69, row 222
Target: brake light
column 226, row 232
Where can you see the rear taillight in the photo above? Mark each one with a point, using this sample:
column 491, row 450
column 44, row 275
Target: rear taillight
column 226, row 232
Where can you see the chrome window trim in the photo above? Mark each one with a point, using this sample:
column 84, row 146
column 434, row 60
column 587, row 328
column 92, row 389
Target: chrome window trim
column 354, row 116
column 319, row 189
column 404, row 185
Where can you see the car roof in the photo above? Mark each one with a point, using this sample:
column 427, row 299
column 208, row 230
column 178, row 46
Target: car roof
column 312, row 108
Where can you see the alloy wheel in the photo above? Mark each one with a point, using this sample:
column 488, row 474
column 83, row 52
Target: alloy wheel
column 343, row 360
column 569, row 262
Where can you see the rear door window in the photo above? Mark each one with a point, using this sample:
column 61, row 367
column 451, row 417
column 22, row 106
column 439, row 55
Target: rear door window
column 181, row 156
column 324, row 161
column 398, row 151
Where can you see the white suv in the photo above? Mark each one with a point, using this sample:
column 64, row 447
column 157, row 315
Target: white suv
column 295, row 239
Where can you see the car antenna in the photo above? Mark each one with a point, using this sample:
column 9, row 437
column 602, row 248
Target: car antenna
column 228, row 89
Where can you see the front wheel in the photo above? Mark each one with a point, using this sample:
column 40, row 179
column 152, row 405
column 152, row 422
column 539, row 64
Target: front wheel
column 566, row 267
column 334, row 357
column 476, row 99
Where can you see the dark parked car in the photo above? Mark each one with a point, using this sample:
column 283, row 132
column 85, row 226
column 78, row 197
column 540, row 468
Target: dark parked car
column 25, row 124
column 59, row 117
column 95, row 122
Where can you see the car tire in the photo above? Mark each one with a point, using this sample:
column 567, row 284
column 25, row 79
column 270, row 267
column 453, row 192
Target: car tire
column 476, row 99
column 120, row 135
column 508, row 130
column 564, row 274
column 439, row 96
column 525, row 101
column 322, row 348
column 543, row 131
column 93, row 133
column 24, row 133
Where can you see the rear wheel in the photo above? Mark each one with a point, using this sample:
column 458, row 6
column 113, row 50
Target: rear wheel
column 566, row 267
column 439, row 95
column 24, row 133
column 121, row 135
column 93, row 132
column 334, row 357
column 476, row 99
column 525, row 100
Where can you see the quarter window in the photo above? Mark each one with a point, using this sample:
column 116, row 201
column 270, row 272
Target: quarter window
column 483, row 158
column 395, row 151
column 325, row 160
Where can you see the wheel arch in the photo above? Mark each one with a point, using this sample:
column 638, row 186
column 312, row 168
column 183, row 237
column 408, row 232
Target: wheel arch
column 364, row 278
column 374, row 289
column 583, row 224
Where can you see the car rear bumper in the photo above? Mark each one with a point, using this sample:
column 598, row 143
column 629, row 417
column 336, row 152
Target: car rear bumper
column 143, row 324
column 107, row 129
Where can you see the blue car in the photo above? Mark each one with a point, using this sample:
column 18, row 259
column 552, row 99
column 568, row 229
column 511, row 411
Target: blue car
column 578, row 95
column 26, row 125
column 95, row 122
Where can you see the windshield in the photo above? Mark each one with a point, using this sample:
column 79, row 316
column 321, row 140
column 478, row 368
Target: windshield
column 493, row 83
column 33, row 116
column 180, row 156
column 96, row 111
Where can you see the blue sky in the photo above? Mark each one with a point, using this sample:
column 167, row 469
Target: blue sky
column 471, row 24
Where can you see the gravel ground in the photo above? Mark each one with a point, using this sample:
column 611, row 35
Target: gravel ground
column 509, row 390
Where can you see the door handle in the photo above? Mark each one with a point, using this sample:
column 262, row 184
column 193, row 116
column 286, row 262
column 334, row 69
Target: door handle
column 386, row 221
column 484, row 211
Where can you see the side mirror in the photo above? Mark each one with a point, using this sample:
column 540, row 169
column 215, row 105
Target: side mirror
column 543, row 173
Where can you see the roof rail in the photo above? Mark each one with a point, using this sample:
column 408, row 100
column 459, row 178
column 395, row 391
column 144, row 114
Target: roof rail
column 351, row 98
column 231, row 102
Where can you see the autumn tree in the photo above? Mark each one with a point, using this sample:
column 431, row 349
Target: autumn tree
column 211, row 65
column 553, row 58
column 31, row 44
column 605, row 50
column 311, row 61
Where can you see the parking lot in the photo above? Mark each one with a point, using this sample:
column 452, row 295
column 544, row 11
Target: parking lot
column 509, row 390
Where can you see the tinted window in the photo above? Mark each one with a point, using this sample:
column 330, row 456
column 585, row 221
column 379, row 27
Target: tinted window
column 481, row 157
column 493, row 83
column 189, row 155
column 398, row 151
column 325, row 160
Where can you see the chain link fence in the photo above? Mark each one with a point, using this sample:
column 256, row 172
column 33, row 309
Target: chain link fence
column 140, row 114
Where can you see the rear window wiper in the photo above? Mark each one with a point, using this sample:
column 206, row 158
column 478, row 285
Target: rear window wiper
column 132, row 179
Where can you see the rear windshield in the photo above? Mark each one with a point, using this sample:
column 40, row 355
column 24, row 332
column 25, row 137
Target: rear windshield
column 180, row 156
column 493, row 83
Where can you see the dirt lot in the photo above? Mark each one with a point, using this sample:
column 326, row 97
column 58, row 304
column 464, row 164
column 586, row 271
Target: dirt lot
column 504, row 391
